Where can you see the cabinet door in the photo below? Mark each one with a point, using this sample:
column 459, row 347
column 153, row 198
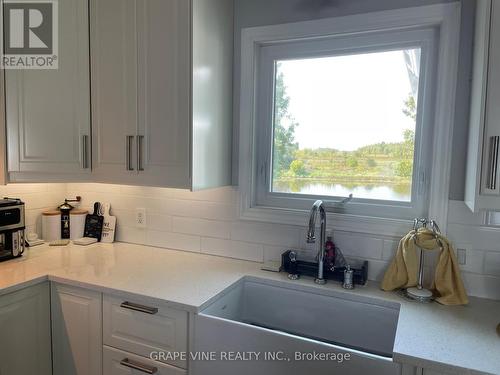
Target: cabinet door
column 48, row 111
column 482, row 188
column 164, row 87
column 25, row 332
column 114, row 90
column 76, row 331
column 491, row 170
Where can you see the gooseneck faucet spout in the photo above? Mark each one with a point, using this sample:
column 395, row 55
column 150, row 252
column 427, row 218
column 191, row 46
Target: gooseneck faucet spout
column 311, row 238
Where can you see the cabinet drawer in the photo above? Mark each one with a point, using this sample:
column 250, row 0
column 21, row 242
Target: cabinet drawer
column 117, row 362
column 141, row 327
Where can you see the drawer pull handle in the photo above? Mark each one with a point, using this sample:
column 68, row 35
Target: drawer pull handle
column 140, row 308
column 138, row 366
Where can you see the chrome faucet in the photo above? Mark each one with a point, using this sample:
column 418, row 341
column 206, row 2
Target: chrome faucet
column 311, row 238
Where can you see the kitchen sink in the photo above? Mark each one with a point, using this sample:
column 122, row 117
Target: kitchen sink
column 259, row 326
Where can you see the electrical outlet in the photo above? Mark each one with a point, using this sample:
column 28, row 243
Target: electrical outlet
column 462, row 257
column 140, row 218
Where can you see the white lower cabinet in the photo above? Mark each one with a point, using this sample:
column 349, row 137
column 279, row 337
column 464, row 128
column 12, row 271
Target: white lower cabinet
column 118, row 362
column 143, row 327
column 25, row 332
column 76, row 331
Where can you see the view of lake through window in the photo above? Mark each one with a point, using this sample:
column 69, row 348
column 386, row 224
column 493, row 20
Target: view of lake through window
column 346, row 124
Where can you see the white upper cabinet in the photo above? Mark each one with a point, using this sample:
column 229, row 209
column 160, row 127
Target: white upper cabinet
column 212, row 92
column 48, row 111
column 160, row 88
column 482, row 190
column 162, row 92
column 114, row 89
column 163, row 129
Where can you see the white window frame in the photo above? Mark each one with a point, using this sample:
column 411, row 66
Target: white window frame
column 433, row 28
column 326, row 47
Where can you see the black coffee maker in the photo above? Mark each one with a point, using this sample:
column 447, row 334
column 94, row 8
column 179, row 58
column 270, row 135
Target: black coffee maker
column 12, row 226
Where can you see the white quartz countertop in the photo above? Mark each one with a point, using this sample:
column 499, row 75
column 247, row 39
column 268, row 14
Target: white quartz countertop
column 457, row 340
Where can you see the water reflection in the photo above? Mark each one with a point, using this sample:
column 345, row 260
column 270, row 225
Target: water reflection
column 382, row 191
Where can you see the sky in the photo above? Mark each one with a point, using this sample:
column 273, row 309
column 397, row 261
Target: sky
column 347, row 102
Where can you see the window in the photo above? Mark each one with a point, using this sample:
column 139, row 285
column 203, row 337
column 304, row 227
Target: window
column 349, row 106
column 346, row 125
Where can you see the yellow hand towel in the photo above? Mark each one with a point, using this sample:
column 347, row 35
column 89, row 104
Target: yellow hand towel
column 402, row 272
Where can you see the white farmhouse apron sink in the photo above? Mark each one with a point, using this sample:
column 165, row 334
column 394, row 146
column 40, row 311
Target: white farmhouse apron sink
column 263, row 327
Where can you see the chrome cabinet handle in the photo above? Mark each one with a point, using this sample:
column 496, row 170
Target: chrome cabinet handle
column 85, row 153
column 140, row 139
column 128, row 152
column 140, row 308
column 138, row 366
column 493, row 163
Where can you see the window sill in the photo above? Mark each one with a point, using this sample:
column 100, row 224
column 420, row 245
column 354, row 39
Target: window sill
column 335, row 221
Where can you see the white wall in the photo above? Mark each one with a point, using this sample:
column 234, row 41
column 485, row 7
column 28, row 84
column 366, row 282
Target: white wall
column 37, row 197
column 207, row 222
column 482, row 244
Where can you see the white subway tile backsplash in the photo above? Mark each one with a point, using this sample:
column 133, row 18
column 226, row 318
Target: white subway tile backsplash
column 207, row 221
column 173, row 240
column 376, row 269
column 273, row 253
column 201, row 227
column 232, row 249
column 127, row 217
column 274, row 234
column 37, row 198
column 158, row 222
column 130, row 234
column 359, row 246
column 492, row 264
column 474, row 260
column 81, row 188
column 482, row 285
column 389, row 250
column 477, row 237
column 198, row 209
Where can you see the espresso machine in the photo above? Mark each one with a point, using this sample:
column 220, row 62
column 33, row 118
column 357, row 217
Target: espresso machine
column 12, row 226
